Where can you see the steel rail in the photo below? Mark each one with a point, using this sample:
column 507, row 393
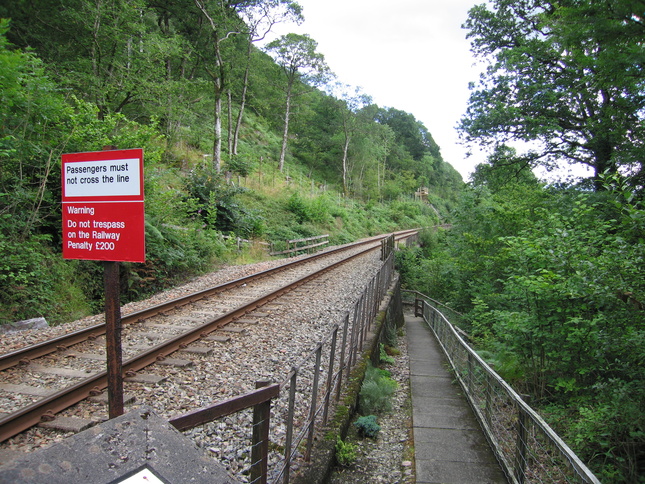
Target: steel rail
column 33, row 414
column 25, row 355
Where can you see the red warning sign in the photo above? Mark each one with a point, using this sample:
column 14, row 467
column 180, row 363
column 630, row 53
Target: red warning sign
column 103, row 206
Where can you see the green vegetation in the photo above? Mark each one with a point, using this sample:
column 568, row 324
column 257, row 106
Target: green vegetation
column 367, row 427
column 376, row 391
column 345, row 453
column 549, row 278
column 550, row 282
column 185, row 82
column 564, row 75
column 384, row 358
column 556, row 292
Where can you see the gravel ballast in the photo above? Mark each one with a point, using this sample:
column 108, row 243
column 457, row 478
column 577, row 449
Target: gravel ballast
column 264, row 352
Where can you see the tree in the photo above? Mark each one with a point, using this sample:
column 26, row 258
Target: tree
column 567, row 76
column 303, row 68
column 369, row 152
column 224, row 23
column 260, row 19
column 503, row 169
column 353, row 102
column 110, row 53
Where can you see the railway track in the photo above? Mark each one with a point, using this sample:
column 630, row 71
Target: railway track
column 74, row 364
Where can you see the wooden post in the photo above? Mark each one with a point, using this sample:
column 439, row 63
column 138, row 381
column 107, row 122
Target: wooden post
column 113, row 338
column 260, row 448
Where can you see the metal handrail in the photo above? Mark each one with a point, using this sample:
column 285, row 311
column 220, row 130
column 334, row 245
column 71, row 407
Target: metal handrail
column 527, row 448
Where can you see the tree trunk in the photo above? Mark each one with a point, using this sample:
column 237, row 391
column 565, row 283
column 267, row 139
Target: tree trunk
column 229, row 128
column 245, row 84
column 603, row 162
column 345, row 150
column 285, row 134
column 218, row 85
column 217, row 128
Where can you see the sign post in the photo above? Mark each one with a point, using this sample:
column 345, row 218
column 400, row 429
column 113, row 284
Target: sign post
column 103, row 219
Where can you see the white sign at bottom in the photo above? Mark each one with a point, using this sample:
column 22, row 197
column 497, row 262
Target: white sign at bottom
column 144, row 476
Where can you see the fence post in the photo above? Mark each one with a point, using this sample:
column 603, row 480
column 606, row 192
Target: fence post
column 342, row 357
column 312, row 409
column 260, row 444
column 520, row 447
column 364, row 317
column 353, row 336
column 489, row 399
column 289, row 436
column 470, row 373
column 418, row 307
column 330, row 373
column 377, row 297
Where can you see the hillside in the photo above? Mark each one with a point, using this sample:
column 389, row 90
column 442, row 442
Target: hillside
column 236, row 145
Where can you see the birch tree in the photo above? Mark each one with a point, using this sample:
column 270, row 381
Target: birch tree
column 303, row 69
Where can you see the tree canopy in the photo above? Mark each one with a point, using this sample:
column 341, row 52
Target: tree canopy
column 566, row 76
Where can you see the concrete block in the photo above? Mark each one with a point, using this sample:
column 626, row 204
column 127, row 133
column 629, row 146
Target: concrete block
column 68, row 424
column 115, row 450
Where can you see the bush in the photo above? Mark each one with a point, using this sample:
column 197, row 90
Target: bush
column 384, row 357
column 376, row 391
column 367, row 426
column 345, row 453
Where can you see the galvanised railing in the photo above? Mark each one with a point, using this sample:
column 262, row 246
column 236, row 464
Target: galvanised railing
column 528, row 450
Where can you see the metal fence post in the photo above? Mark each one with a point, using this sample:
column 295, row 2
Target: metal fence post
column 330, row 373
column 289, row 436
column 489, row 400
column 470, row 373
column 352, row 339
column 314, row 399
column 519, row 469
column 342, row 357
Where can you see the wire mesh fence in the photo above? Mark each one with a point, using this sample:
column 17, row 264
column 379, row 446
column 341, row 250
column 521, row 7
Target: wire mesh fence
column 528, row 450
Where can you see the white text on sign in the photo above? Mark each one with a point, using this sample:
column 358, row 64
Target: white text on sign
column 106, row 178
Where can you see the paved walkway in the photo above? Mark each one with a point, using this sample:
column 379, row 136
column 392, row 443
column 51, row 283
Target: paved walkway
column 449, row 446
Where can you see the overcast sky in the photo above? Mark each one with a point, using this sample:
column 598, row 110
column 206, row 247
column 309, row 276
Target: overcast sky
column 410, row 55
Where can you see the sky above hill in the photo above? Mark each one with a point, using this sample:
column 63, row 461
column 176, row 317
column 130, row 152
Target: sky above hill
column 410, row 55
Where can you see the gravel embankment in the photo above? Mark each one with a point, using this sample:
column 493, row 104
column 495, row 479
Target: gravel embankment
column 266, row 352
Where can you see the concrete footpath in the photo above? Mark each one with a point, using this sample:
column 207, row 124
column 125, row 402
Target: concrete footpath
column 449, row 445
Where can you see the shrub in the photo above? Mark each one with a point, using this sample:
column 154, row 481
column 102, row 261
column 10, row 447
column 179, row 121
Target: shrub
column 376, row 391
column 345, row 453
column 389, row 335
column 367, row 426
column 384, row 357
